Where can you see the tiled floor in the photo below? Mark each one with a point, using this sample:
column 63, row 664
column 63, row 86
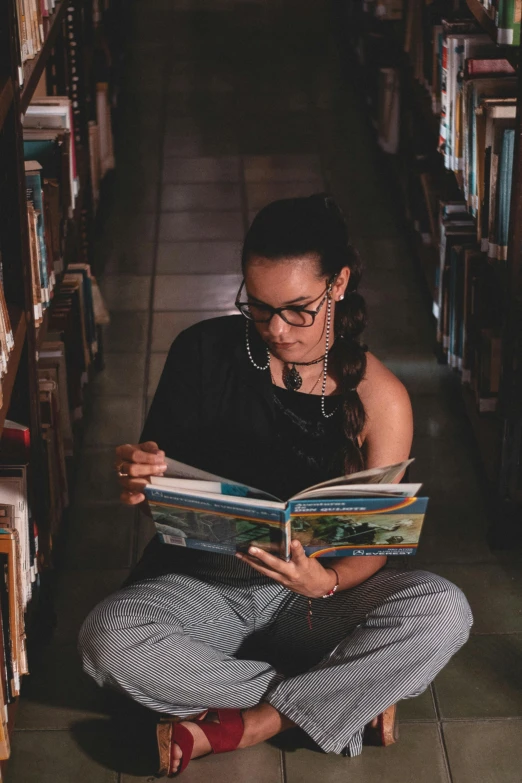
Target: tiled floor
column 229, row 104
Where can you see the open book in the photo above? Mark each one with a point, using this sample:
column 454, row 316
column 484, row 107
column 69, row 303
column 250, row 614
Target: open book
column 360, row 514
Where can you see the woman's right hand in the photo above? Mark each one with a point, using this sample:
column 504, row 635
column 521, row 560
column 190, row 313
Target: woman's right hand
column 140, row 461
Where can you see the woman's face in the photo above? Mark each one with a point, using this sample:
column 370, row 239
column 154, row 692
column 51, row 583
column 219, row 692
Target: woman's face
column 292, row 282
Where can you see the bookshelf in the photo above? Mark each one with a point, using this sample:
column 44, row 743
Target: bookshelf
column 418, row 173
column 485, row 21
column 46, row 274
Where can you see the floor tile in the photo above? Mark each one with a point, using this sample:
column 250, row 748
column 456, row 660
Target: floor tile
column 115, row 421
column 75, row 594
column 420, row 708
column 166, row 326
column 198, row 257
column 180, row 226
column 418, row 756
column 259, row 194
column 485, row 751
column 126, row 293
column 156, row 365
column 126, row 333
column 120, row 376
column 208, row 169
column 135, row 260
column 141, row 229
column 494, row 593
column 96, row 480
column 282, row 168
column 101, row 536
column 483, row 680
column 58, row 693
column 259, row 764
column 200, row 144
column 51, row 756
column 210, row 196
column 196, row 292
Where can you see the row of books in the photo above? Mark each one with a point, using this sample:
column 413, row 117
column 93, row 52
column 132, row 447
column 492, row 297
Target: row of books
column 52, row 187
column 19, row 566
column 30, row 16
column 6, row 339
column 470, row 293
column 473, row 87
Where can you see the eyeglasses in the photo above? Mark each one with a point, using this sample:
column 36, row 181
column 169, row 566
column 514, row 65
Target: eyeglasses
column 295, row 316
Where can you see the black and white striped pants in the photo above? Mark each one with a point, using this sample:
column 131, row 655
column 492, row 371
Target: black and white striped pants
column 179, row 644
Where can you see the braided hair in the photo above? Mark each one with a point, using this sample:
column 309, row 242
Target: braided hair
column 315, row 226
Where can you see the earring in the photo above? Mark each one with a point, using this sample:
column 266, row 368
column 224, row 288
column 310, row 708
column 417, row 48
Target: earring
column 341, row 297
column 249, row 352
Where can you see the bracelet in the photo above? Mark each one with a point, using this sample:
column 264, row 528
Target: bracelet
column 329, row 594
column 336, row 585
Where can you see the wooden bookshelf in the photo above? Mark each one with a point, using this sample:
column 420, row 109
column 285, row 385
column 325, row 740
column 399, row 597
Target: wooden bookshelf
column 6, row 99
column 18, row 324
column 483, row 19
column 34, row 68
column 12, row 709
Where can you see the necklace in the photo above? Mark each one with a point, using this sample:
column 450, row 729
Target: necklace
column 292, row 378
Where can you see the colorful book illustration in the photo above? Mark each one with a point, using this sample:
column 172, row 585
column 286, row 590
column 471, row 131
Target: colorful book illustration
column 364, row 513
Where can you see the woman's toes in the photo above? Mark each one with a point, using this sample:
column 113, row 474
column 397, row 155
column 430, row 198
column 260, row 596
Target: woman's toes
column 176, row 757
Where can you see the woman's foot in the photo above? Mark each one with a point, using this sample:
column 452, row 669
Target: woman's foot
column 260, row 723
column 201, row 743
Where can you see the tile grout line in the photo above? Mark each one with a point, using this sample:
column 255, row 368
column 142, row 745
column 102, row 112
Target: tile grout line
column 282, row 766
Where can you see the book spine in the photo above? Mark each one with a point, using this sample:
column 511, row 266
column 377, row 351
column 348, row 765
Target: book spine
column 504, row 21
column 443, row 132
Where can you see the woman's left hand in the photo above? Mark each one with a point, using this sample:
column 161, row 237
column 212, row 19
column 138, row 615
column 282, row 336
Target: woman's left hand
column 303, row 575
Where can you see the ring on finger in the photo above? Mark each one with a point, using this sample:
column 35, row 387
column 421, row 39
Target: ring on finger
column 119, row 471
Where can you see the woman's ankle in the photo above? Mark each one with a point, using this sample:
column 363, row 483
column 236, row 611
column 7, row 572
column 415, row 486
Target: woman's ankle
column 262, row 722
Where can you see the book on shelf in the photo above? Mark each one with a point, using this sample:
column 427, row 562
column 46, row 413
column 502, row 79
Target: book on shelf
column 55, row 113
column 34, row 193
column 361, row 514
column 52, row 367
column 15, row 455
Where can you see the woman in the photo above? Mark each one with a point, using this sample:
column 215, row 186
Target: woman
column 279, row 397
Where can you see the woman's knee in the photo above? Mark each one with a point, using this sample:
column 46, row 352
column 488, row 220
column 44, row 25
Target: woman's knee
column 448, row 609
column 102, row 641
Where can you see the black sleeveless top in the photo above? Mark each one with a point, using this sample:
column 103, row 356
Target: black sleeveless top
column 310, row 446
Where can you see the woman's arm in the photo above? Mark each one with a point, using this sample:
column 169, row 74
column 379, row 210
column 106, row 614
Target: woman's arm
column 388, row 435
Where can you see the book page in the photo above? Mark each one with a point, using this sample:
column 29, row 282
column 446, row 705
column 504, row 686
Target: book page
column 385, row 475
column 362, row 491
column 179, row 470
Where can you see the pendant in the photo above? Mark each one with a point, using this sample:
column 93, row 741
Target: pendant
column 292, row 379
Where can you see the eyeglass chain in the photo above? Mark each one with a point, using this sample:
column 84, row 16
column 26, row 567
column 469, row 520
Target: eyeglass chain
column 325, row 357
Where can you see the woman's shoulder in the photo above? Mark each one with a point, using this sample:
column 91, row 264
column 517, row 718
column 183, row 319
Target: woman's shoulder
column 382, row 393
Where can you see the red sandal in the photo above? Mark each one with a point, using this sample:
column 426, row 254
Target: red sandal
column 386, row 732
column 223, row 737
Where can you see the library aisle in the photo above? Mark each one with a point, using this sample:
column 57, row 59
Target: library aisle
column 229, row 104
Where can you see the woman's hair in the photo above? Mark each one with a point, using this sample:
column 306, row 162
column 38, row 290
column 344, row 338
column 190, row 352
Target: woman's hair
column 315, row 225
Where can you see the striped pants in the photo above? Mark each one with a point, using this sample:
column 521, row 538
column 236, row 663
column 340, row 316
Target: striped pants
column 179, row 644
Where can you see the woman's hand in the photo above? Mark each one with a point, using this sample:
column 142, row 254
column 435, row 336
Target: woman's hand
column 303, row 575
column 140, row 461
